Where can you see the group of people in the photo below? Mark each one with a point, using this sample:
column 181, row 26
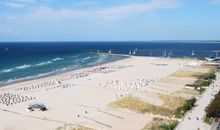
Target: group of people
column 60, row 86
column 51, row 85
column 79, row 75
column 11, row 99
column 39, row 86
column 101, row 69
column 129, row 85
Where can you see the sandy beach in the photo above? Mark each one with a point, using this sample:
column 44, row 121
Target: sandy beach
column 81, row 97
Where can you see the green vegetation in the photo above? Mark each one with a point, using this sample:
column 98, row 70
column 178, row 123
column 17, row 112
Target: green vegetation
column 179, row 112
column 169, row 127
column 204, row 81
column 209, row 76
column 201, row 90
column 217, row 69
column 136, row 104
column 214, row 107
column 161, row 124
column 208, row 120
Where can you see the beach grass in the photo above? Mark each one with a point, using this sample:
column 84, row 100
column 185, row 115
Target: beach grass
column 136, row 104
column 71, row 127
column 161, row 124
column 187, row 91
column 209, row 67
column 187, row 74
column 173, row 80
column 172, row 102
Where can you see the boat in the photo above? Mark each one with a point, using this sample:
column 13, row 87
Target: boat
column 134, row 52
column 193, row 53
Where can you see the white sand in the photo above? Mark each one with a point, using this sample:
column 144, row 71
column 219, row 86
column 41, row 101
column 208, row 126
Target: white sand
column 64, row 104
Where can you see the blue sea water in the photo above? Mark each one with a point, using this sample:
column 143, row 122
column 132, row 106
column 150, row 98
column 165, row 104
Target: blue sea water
column 22, row 61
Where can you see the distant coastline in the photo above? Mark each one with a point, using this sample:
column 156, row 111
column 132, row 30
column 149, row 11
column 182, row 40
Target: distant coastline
column 121, row 41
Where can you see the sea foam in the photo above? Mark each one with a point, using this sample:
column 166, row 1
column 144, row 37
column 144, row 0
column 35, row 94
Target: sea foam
column 7, row 70
column 43, row 63
column 23, row 67
column 57, row 59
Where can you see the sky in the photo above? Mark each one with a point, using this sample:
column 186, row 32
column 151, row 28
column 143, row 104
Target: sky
column 109, row 20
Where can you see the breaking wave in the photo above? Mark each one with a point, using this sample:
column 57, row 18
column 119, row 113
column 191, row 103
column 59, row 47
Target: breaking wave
column 23, row 67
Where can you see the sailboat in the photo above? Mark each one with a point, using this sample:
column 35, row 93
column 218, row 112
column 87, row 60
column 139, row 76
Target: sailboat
column 216, row 54
column 129, row 52
column 193, row 53
column 134, row 52
column 110, row 51
column 170, row 54
column 165, row 54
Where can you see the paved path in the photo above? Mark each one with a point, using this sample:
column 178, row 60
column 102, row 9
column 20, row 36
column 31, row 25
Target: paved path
column 215, row 126
column 194, row 119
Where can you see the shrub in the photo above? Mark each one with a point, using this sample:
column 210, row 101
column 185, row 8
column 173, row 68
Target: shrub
column 186, row 107
column 214, row 107
column 169, row 127
column 161, row 124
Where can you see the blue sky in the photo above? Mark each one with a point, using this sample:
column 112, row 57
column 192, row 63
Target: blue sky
column 109, row 20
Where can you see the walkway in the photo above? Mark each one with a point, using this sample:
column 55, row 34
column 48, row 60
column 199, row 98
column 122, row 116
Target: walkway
column 194, row 118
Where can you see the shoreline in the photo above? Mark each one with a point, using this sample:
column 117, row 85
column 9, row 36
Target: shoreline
column 45, row 75
column 52, row 75
column 61, row 71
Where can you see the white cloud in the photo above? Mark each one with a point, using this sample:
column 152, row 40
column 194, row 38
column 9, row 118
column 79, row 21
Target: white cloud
column 86, row 3
column 8, row 31
column 115, row 12
column 140, row 7
column 17, row 3
column 12, row 4
column 25, row 1
column 39, row 20
column 11, row 17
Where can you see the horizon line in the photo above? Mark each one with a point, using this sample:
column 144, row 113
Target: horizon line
column 51, row 41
